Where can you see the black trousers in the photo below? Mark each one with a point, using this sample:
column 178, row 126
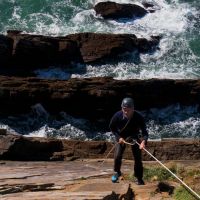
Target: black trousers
column 137, row 154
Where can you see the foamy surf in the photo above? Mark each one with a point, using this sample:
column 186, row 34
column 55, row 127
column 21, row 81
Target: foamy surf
column 177, row 57
column 173, row 58
column 172, row 121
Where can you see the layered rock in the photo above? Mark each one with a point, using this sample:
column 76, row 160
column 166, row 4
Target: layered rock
column 17, row 147
column 96, row 47
column 83, row 179
column 26, row 52
column 93, row 98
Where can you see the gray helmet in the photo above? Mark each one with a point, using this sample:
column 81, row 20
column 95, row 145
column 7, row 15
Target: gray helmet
column 127, row 103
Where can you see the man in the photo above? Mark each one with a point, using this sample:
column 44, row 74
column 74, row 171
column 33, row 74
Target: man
column 128, row 123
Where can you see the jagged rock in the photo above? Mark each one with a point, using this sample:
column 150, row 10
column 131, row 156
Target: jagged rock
column 101, row 96
column 112, row 10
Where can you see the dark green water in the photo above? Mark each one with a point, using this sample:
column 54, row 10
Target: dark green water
column 177, row 21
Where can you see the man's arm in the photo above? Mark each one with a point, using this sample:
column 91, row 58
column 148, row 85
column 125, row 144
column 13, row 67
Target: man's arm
column 145, row 134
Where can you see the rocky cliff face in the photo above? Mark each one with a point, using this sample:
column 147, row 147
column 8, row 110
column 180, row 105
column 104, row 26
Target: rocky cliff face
column 94, row 98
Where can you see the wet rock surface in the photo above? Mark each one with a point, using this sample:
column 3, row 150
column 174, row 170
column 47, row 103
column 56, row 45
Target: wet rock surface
column 112, row 10
column 22, row 53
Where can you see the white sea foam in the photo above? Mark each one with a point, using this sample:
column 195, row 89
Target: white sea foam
column 171, row 121
column 188, row 128
column 9, row 129
column 68, row 131
column 43, row 23
column 174, row 121
column 173, row 59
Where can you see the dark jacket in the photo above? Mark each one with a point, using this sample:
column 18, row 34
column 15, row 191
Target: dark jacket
column 136, row 126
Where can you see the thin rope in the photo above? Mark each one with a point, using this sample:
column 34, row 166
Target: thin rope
column 191, row 190
column 101, row 164
column 107, row 155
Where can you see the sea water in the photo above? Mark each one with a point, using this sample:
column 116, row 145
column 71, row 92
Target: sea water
column 178, row 57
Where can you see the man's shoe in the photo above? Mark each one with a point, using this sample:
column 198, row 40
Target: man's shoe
column 140, row 182
column 115, row 177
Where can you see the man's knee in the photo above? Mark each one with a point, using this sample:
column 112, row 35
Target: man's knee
column 118, row 158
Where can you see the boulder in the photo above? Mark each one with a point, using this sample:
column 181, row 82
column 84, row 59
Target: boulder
column 112, row 10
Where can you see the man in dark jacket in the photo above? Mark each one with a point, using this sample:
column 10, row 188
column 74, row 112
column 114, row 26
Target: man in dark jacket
column 124, row 124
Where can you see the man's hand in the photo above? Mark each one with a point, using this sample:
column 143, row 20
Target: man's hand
column 121, row 140
column 142, row 144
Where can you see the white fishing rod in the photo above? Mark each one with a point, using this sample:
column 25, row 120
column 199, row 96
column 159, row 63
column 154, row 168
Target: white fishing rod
column 191, row 190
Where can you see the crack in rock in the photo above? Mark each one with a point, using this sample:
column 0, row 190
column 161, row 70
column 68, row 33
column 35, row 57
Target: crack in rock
column 8, row 189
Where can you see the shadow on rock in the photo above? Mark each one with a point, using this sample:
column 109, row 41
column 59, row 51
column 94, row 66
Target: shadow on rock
column 165, row 187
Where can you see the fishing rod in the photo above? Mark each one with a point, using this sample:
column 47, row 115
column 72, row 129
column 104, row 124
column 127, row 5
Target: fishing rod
column 187, row 187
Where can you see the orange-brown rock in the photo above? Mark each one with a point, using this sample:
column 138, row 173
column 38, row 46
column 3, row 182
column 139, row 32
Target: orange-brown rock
column 98, row 47
column 25, row 52
column 17, row 147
